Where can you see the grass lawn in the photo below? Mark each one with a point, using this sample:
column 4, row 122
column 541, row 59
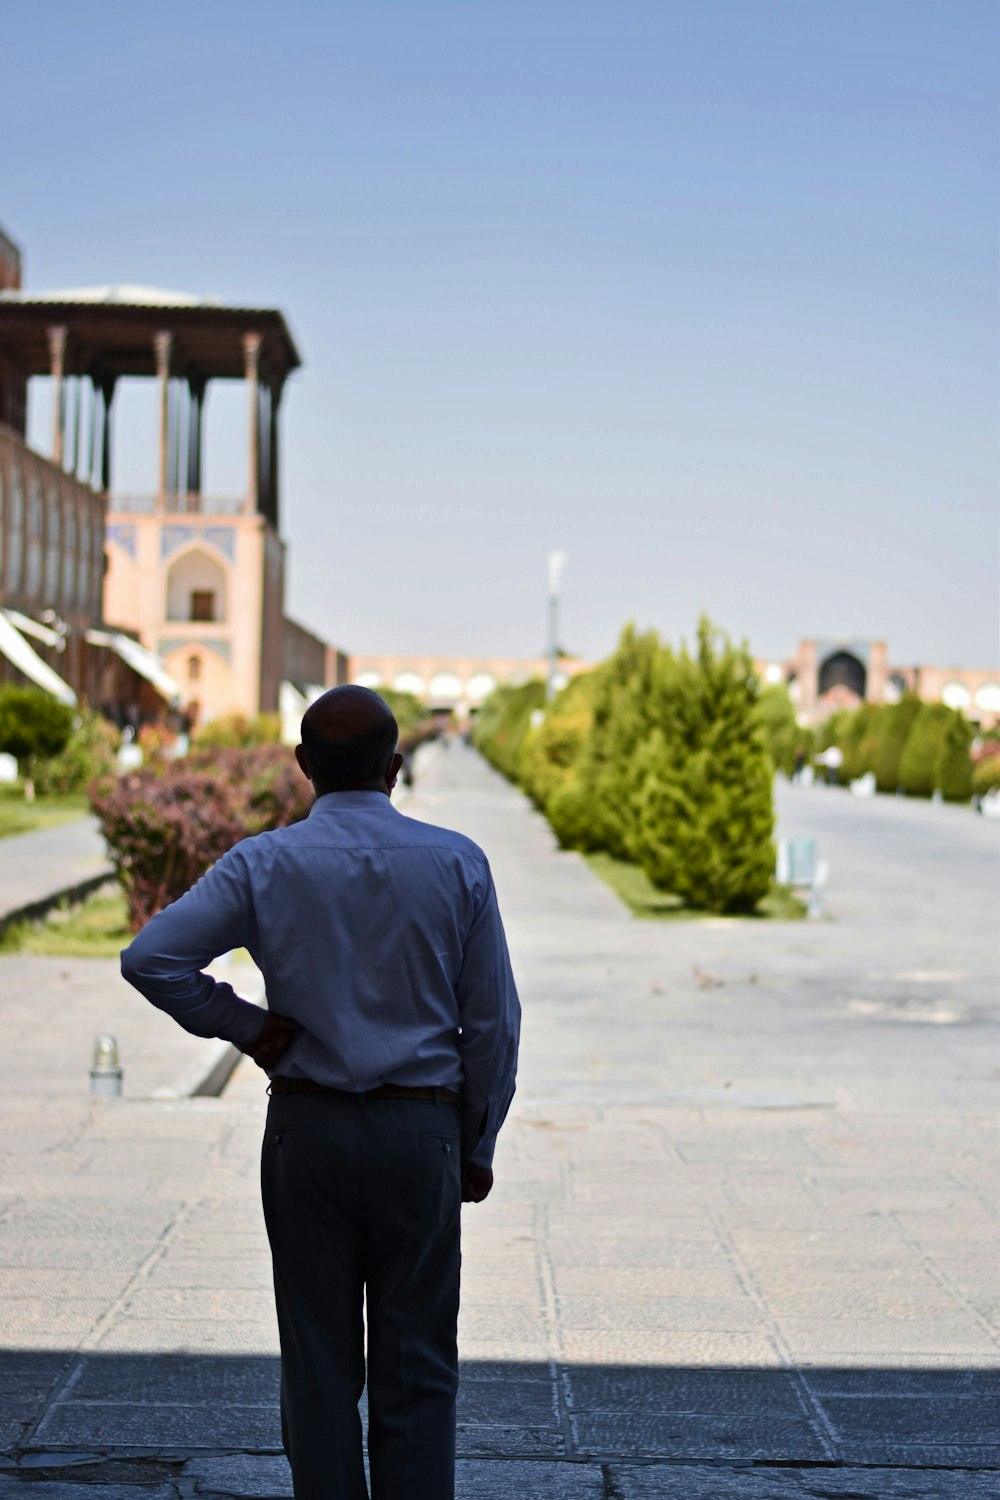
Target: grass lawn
column 633, row 886
column 96, row 928
column 18, row 816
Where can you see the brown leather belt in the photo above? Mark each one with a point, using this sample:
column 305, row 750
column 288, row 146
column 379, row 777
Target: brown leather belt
column 282, row 1085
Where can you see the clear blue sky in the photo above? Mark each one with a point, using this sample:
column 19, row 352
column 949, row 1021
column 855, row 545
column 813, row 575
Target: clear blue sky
column 704, row 293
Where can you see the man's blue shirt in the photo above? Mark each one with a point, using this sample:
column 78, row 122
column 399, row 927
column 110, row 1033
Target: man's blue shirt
column 379, row 934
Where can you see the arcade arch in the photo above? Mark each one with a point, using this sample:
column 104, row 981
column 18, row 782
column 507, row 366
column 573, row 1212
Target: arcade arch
column 196, row 588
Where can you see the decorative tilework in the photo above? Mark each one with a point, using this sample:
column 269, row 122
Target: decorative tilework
column 123, row 533
column 175, row 535
column 223, row 538
column 186, row 643
column 172, row 537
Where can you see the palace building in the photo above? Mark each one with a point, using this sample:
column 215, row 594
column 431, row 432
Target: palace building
column 184, row 588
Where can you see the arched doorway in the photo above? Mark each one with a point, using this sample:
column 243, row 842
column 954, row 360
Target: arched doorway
column 842, row 675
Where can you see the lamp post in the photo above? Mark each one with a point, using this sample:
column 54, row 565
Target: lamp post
column 557, row 562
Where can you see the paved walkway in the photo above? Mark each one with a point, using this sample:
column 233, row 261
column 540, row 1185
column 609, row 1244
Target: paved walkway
column 37, row 868
column 743, row 1238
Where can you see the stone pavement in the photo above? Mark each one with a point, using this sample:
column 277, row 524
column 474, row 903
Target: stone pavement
column 743, row 1238
column 37, row 868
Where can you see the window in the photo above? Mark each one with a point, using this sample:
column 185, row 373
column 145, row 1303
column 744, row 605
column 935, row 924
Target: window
column 194, row 669
column 202, row 604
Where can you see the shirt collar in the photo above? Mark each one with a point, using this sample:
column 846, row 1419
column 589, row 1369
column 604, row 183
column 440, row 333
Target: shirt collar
column 333, row 802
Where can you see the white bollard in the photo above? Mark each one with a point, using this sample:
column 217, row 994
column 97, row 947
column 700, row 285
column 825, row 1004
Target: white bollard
column 822, row 875
column 106, row 1068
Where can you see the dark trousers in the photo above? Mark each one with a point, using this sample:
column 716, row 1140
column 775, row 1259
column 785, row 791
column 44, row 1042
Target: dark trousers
column 362, row 1202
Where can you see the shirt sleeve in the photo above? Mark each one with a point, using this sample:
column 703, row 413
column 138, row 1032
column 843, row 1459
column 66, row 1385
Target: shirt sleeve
column 164, row 961
column 490, row 1017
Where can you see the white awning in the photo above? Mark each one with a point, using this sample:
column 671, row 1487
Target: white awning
column 27, row 626
column 27, row 660
column 141, row 660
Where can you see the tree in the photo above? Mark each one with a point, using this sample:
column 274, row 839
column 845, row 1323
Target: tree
column 551, row 751
column 918, row 763
column 782, row 732
column 603, row 806
column 33, row 725
column 894, row 725
column 503, row 723
column 861, row 742
column 705, row 781
column 953, row 770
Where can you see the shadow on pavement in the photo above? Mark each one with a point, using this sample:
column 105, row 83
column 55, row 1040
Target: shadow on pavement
column 109, row 1410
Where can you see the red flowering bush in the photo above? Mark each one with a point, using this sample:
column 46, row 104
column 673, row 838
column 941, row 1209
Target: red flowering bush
column 165, row 827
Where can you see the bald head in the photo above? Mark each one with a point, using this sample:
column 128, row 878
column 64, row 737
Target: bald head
column 349, row 740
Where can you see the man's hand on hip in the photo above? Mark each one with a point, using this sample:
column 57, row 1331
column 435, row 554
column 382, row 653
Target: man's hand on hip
column 476, row 1183
column 277, row 1034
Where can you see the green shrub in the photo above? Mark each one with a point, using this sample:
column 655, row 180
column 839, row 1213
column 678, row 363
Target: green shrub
column 986, row 775
column 569, row 812
column 858, row 743
column 503, row 724
column 783, row 734
column 894, row 725
column 89, row 752
column 919, row 761
column 953, row 770
column 551, row 751
column 623, row 717
column 705, row 777
column 236, row 732
column 33, row 727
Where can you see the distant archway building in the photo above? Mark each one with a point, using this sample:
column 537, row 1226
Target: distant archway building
column 826, row 675
column 458, row 684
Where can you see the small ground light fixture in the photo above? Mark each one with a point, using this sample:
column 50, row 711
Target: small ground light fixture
column 106, row 1068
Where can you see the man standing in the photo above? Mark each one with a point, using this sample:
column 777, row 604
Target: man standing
column 391, row 1043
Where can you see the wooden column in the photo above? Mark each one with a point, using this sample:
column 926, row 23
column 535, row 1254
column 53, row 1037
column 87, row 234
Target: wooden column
column 274, row 472
column 57, row 362
column 196, row 393
column 163, row 344
column 92, row 434
column 77, row 404
column 251, row 365
column 107, row 396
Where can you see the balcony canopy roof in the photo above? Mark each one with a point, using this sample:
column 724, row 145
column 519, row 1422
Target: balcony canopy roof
column 111, row 331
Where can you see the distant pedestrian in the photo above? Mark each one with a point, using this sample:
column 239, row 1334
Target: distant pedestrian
column 391, row 1043
column 834, row 759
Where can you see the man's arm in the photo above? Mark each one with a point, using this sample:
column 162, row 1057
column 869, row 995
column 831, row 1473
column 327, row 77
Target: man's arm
column 490, row 1015
column 164, row 961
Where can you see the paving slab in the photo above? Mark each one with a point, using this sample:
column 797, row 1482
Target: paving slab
column 689, row 1482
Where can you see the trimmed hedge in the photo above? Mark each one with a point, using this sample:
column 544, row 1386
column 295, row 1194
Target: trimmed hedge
column 165, row 826
column 655, row 758
column 918, row 765
column 919, row 748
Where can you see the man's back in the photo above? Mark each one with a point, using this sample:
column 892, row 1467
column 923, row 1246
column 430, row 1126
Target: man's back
column 379, row 934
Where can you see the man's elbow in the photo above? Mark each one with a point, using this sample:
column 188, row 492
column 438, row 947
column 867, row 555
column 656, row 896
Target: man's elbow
column 136, row 966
